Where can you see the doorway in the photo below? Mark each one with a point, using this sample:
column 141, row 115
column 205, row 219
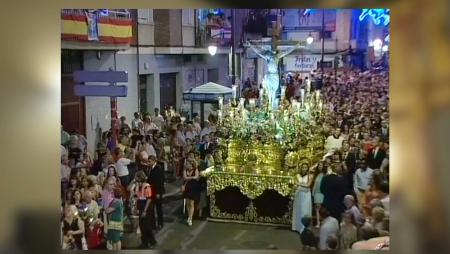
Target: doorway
column 143, row 93
column 73, row 108
column 168, row 90
column 213, row 75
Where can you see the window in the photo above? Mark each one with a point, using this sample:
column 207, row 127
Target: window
column 145, row 16
column 188, row 16
column 71, row 60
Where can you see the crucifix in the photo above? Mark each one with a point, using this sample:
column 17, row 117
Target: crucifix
column 272, row 55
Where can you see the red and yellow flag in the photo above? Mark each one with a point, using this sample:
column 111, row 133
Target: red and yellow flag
column 110, row 30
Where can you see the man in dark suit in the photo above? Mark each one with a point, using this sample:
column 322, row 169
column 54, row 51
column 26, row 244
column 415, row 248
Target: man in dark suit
column 206, row 147
column 156, row 179
column 384, row 132
column 350, row 156
column 334, row 188
column 341, row 122
column 376, row 155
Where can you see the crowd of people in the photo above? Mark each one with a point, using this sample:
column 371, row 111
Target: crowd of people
column 125, row 179
column 347, row 192
column 345, row 196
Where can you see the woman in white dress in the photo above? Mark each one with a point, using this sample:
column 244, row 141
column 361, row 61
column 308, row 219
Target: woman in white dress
column 302, row 200
column 320, row 172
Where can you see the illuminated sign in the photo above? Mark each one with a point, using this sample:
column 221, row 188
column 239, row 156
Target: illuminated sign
column 379, row 16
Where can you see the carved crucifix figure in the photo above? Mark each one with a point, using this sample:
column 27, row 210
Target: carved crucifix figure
column 271, row 77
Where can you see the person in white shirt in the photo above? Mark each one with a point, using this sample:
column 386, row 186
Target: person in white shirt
column 196, row 125
column 147, row 146
column 158, row 119
column 135, row 123
column 328, row 227
column 361, row 181
column 92, row 207
column 149, row 126
column 206, row 130
column 334, row 142
column 122, row 167
column 190, row 133
column 181, row 139
column 308, row 85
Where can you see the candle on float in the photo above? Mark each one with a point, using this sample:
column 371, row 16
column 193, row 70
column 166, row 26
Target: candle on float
column 220, row 116
column 234, row 88
column 220, row 102
column 261, row 93
column 241, row 104
column 320, row 106
column 252, row 102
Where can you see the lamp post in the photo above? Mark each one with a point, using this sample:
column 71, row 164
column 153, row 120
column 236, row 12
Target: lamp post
column 233, row 66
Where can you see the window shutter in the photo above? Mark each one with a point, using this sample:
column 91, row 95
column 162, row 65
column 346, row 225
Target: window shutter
column 145, row 16
column 188, row 17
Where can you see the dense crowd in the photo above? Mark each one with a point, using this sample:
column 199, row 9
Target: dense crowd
column 346, row 195
column 348, row 191
column 125, row 179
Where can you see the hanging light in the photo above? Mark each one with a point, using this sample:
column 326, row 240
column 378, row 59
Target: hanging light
column 309, row 39
column 212, row 49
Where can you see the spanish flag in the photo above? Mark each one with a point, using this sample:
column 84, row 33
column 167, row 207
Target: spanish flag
column 110, row 30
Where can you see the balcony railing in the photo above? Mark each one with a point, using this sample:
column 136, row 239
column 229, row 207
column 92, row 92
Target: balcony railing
column 112, row 13
column 220, row 36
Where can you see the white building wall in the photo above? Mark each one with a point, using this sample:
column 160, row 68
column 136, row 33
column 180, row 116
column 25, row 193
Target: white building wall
column 98, row 109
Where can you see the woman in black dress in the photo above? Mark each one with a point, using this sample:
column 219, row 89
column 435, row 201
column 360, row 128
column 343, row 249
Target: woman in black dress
column 73, row 229
column 191, row 187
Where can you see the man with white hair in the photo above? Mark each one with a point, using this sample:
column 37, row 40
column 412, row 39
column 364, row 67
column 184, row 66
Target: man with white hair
column 349, row 202
column 158, row 119
column 92, row 207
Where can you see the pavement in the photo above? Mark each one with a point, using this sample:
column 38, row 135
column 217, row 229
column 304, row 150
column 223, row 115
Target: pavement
column 211, row 235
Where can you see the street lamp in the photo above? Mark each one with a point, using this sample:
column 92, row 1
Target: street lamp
column 309, row 39
column 212, row 49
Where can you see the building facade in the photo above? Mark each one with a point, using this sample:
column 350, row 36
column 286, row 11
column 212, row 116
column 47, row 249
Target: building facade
column 164, row 56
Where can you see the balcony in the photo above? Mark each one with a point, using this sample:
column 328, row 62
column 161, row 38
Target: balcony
column 96, row 28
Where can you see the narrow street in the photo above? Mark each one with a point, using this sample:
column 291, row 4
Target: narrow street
column 212, row 235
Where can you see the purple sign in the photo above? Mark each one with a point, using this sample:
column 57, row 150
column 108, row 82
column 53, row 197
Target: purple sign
column 101, row 91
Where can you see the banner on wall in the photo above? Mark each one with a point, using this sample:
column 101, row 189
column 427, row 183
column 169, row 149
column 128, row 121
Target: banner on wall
column 92, row 25
column 305, row 63
column 296, row 20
